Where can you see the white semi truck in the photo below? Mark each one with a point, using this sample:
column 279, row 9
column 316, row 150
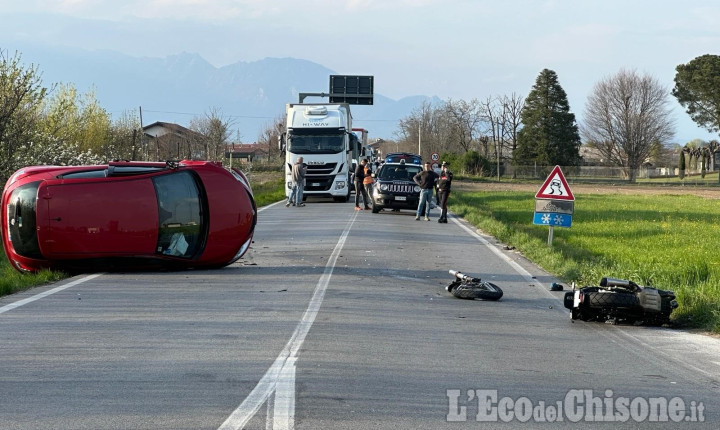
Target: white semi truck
column 322, row 134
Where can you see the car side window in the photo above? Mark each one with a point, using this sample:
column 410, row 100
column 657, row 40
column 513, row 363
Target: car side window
column 180, row 214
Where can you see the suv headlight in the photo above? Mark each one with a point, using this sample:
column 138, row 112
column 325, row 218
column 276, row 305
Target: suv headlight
column 417, row 188
column 383, row 187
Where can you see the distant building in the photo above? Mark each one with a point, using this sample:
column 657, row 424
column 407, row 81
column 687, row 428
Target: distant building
column 247, row 152
column 169, row 141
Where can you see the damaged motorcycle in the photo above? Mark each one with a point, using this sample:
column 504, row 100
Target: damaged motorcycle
column 467, row 287
column 620, row 301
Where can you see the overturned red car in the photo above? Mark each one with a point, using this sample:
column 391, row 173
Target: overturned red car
column 127, row 216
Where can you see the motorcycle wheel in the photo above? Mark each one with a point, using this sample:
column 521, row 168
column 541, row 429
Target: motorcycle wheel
column 608, row 299
column 478, row 290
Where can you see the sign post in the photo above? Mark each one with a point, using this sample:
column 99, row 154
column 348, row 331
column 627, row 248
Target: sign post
column 554, row 203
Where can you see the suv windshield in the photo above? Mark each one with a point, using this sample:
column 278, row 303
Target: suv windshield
column 316, row 142
column 398, row 172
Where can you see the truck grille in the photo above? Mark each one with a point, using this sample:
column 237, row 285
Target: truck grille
column 321, row 169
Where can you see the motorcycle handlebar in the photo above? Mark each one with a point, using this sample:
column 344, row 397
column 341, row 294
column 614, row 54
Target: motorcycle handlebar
column 461, row 276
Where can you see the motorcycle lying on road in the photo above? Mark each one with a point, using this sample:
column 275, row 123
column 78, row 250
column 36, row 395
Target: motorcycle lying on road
column 619, row 300
column 467, row 287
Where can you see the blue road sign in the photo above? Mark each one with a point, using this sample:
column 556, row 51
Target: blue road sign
column 552, row 219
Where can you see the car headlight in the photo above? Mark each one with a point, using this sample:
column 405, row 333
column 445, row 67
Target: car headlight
column 339, row 185
column 417, row 188
column 383, row 187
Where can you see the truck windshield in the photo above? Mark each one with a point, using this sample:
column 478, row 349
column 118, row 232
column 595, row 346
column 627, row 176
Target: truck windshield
column 316, row 143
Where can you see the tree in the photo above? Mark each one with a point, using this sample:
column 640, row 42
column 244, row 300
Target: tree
column 697, row 88
column 550, row 134
column 76, row 118
column 681, row 165
column 125, row 142
column 216, row 130
column 464, row 119
column 271, row 134
column 625, row 116
column 21, row 97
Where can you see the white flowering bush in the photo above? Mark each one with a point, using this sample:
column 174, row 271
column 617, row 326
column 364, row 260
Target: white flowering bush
column 46, row 150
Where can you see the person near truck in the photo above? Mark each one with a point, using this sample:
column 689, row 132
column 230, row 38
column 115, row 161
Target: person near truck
column 359, row 187
column 368, row 181
column 298, row 183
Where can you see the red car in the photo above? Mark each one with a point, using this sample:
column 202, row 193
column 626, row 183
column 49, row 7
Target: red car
column 127, row 216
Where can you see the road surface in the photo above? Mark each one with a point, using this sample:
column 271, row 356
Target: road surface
column 338, row 319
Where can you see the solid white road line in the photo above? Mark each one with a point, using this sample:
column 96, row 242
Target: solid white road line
column 280, row 377
column 22, row 302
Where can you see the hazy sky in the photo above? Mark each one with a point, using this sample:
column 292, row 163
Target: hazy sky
column 460, row 49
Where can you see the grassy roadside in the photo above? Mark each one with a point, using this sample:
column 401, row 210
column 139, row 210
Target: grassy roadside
column 668, row 241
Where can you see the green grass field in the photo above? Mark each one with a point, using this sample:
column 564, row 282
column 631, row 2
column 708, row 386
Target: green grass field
column 666, row 241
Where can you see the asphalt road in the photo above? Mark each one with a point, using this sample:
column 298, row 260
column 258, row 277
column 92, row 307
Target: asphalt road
column 338, row 319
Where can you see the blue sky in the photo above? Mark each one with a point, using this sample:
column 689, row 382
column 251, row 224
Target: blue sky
column 460, row 49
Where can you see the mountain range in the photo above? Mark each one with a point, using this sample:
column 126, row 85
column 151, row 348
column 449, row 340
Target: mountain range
column 178, row 88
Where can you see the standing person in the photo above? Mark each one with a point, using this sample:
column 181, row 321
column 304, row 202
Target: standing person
column 426, row 180
column 368, row 181
column 298, row 180
column 443, row 191
column 359, row 188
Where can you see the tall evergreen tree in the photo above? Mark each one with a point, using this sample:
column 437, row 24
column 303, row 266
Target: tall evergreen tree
column 550, row 134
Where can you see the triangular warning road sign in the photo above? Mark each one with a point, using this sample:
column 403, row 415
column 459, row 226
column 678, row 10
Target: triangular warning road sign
column 555, row 187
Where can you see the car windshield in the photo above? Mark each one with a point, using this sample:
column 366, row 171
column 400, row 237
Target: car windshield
column 22, row 230
column 181, row 217
column 401, row 172
column 316, row 143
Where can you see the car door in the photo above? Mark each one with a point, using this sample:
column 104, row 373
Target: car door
column 98, row 218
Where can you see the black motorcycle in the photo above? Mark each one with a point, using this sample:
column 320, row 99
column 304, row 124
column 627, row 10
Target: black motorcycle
column 467, row 287
column 619, row 300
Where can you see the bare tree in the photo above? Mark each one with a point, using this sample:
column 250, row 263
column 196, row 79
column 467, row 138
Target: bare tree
column 216, row 131
column 512, row 106
column 415, row 130
column 465, row 119
column 271, row 134
column 625, row 115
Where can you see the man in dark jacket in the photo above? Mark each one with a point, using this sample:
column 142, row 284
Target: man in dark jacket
column 443, row 191
column 426, row 180
column 359, row 187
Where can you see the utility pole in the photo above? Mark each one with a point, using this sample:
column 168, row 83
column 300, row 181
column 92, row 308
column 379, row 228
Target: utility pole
column 420, row 139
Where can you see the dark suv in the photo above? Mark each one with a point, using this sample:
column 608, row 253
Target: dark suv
column 394, row 187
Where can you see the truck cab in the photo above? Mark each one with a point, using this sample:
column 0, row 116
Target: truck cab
column 320, row 133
